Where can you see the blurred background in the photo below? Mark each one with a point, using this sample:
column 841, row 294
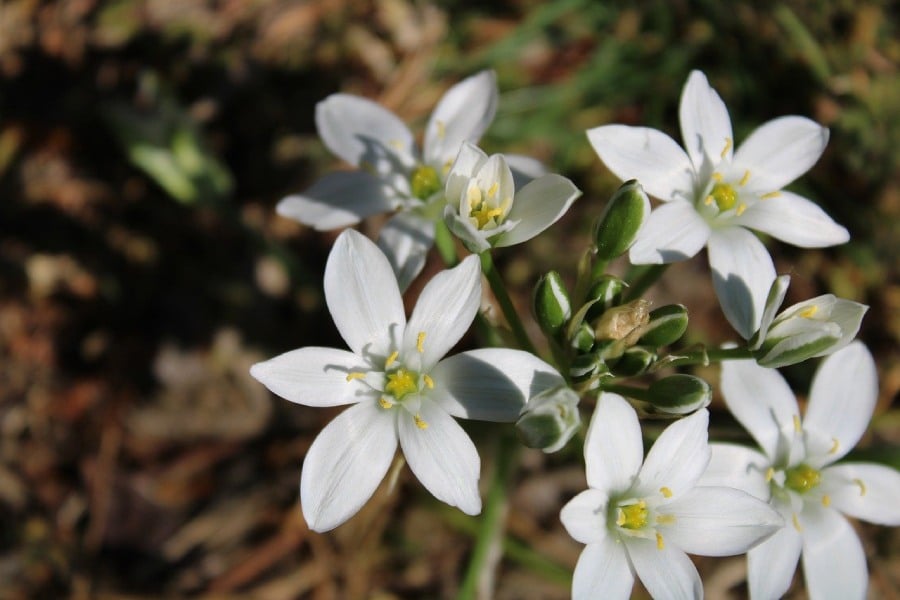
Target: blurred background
column 143, row 147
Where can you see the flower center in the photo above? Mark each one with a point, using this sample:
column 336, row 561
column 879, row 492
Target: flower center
column 401, row 382
column 632, row 516
column 801, row 478
column 424, row 182
column 483, row 207
column 724, row 195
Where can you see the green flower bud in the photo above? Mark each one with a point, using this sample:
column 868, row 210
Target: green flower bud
column 549, row 420
column 607, row 291
column 634, row 361
column 586, row 366
column 551, row 304
column 679, row 394
column 667, row 324
column 583, row 339
column 624, row 216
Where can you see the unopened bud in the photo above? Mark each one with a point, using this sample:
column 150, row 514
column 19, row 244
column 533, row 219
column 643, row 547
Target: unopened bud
column 606, row 292
column 634, row 361
column 583, row 339
column 679, row 394
column 549, row 419
column 551, row 304
column 624, row 216
column 667, row 324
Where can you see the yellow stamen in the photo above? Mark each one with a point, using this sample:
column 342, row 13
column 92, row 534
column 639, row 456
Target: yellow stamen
column 384, row 403
column 446, row 168
column 355, row 375
column 745, row 178
column 666, row 492
column 796, row 522
column 774, row 194
column 835, row 444
column 862, row 486
column 441, row 129
column 392, row 358
column 665, row 519
column 726, row 148
column 428, row 381
column 396, row 144
column 420, row 422
column 660, row 544
column 770, row 473
column 492, row 191
column 826, row 500
column 420, row 341
column 809, row 312
column 797, row 425
column 473, row 196
column 709, row 200
column 740, row 209
column 717, row 176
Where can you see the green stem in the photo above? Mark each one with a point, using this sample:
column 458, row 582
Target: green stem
column 705, row 356
column 645, row 278
column 489, row 542
column 445, row 244
column 627, row 391
column 506, row 305
column 598, row 269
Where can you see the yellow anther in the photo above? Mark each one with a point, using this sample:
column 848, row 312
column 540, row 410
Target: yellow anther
column 835, row 444
column 770, row 473
column 796, row 522
column 717, row 176
column 666, row 492
column 745, row 178
column 391, row 359
column 355, row 375
column 774, row 194
column 740, row 209
column 385, row 403
column 660, row 544
column 798, row 427
column 483, row 215
column 862, row 486
column 428, row 381
column 447, row 166
column 396, row 144
column 420, row 422
column 473, row 196
column 826, row 500
column 708, row 200
column 726, row 148
column 420, row 341
column 809, row 312
column 665, row 519
column 441, row 128
column 492, row 191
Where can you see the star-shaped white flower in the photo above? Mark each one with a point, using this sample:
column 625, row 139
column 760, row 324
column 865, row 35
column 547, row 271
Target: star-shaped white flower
column 642, row 518
column 796, row 474
column 393, row 175
column 398, row 385
column 712, row 194
column 485, row 210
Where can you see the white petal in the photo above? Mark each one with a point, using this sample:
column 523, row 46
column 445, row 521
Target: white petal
column 782, row 150
column 362, row 296
column 761, row 400
column 794, row 220
column 475, row 240
column 313, row 376
column 602, row 572
column 672, row 232
column 865, row 491
column 648, row 155
column 737, row 467
column 773, row 300
column 613, row 450
column 491, row 384
column 678, row 457
column 462, row 115
column 442, row 456
column 584, row 516
column 705, row 124
column 338, row 200
column 842, row 397
column 445, row 309
column 666, row 573
column 742, row 275
column 405, row 240
column 834, row 563
column 537, row 206
column 771, row 565
column 467, row 163
column 524, row 169
column 364, row 133
column 719, row 521
column 345, row 464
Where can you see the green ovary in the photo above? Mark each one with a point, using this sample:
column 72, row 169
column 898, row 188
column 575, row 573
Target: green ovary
column 632, row 516
column 424, row 182
column 724, row 195
column 801, row 478
column 401, row 382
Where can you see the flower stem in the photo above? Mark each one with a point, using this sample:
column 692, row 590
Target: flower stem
column 646, row 277
column 705, row 356
column 446, row 246
column 479, row 578
column 627, row 391
column 506, row 305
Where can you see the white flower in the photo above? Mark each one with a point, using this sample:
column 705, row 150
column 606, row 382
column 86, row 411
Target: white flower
column 643, row 518
column 484, row 210
column 393, row 175
column 712, row 193
column 796, row 472
column 815, row 327
column 398, row 385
